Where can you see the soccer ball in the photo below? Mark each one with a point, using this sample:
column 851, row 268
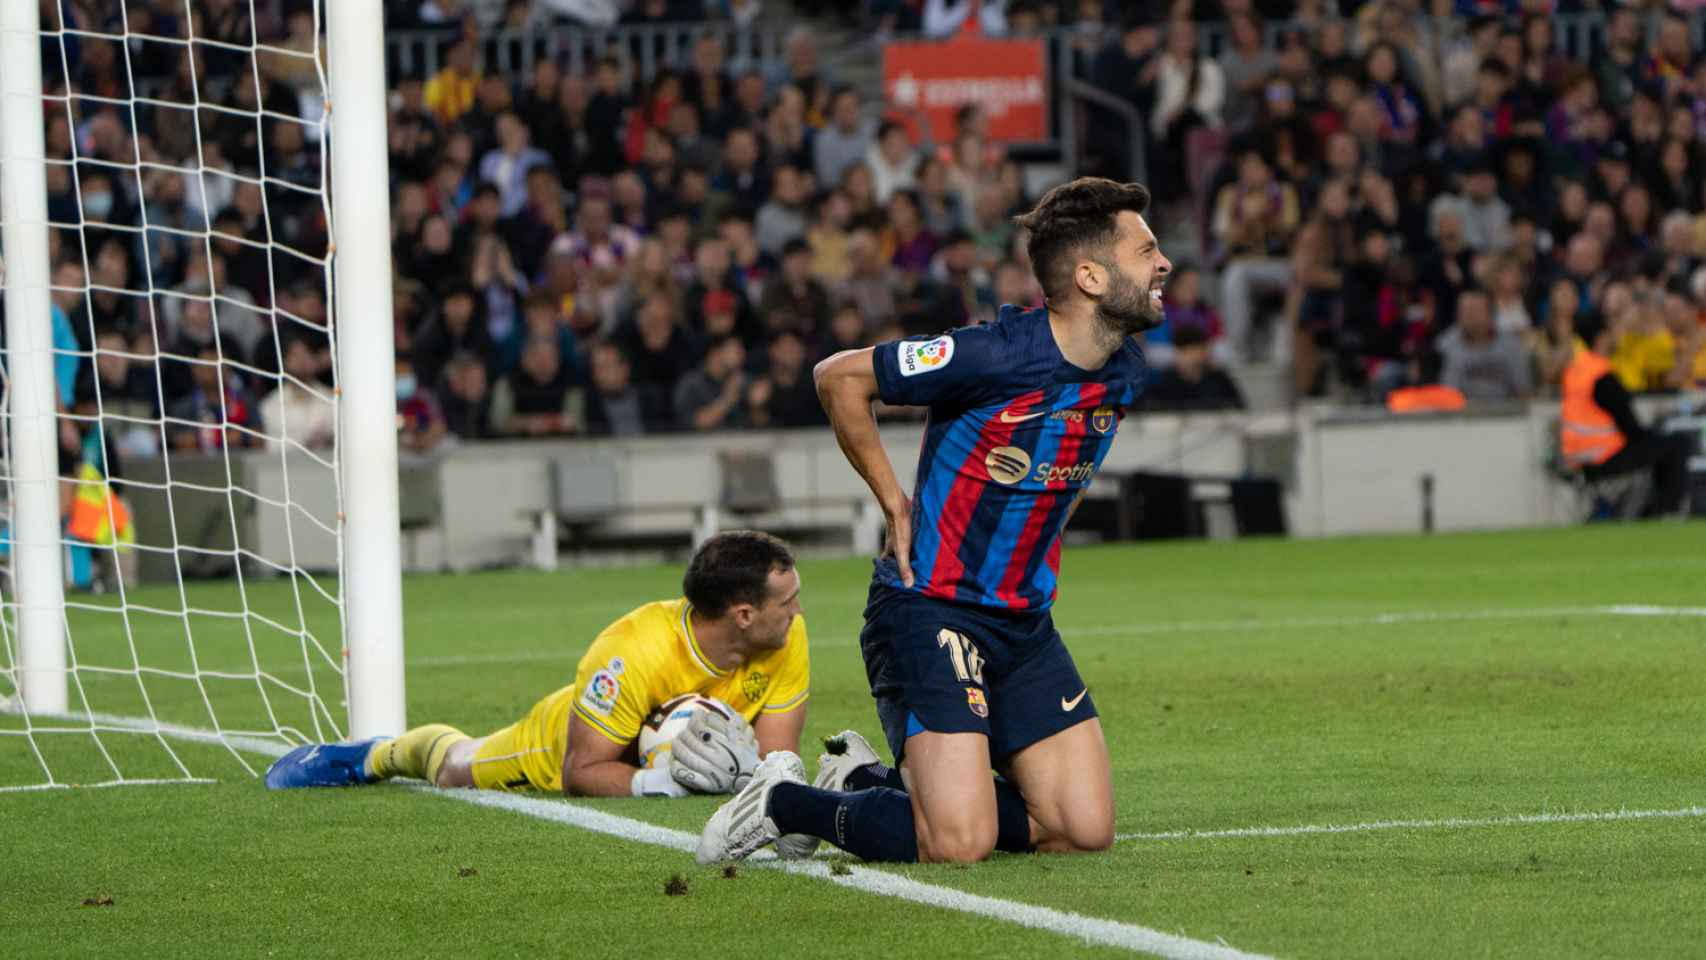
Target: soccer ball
column 665, row 723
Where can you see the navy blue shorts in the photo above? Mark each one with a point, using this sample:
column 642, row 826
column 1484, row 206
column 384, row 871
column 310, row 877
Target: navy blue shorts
column 953, row 668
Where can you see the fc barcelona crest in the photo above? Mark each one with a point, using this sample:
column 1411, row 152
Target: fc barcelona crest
column 1102, row 420
column 974, row 700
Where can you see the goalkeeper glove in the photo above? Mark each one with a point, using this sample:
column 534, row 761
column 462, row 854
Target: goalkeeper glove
column 714, row 754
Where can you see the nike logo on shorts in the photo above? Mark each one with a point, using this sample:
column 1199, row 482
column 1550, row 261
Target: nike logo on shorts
column 1071, row 705
column 1008, row 417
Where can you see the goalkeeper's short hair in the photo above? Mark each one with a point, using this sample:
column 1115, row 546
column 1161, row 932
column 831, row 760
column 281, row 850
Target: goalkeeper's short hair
column 734, row 567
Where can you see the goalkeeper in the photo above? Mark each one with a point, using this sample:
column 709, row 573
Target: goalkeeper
column 736, row 636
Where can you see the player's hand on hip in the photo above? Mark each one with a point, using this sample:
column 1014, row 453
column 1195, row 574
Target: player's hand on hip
column 900, row 537
column 707, row 757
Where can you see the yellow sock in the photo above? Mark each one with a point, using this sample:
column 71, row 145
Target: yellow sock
column 418, row 753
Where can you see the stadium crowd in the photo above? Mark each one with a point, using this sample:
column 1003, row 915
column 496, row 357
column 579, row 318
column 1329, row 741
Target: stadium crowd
column 1393, row 198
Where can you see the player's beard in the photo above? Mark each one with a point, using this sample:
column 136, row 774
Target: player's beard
column 1126, row 308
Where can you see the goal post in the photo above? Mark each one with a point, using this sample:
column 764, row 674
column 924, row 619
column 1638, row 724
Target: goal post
column 282, row 477
column 361, row 233
column 31, row 420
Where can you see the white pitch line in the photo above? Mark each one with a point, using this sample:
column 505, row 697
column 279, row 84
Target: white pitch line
column 39, row 787
column 1094, row 930
column 1441, row 824
column 1199, row 626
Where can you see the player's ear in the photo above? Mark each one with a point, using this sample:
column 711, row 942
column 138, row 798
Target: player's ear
column 743, row 614
column 1090, row 278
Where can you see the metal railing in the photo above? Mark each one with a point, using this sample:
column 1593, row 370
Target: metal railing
column 646, row 50
column 1137, row 140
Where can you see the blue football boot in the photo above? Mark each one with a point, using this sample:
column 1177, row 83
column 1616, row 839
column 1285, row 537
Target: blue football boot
column 322, row 765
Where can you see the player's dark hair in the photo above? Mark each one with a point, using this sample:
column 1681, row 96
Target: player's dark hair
column 1071, row 217
column 734, row 567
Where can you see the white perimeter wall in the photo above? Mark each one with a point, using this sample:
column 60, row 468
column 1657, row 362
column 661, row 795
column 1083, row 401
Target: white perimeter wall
column 1344, row 473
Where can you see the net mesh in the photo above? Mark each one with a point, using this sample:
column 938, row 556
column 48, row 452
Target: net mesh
column 188, row 220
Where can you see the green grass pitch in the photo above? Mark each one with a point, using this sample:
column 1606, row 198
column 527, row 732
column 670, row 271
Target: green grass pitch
column 1241, row 685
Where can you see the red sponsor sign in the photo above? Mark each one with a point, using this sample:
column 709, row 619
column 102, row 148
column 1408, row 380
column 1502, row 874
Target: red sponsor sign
column 1008, row 78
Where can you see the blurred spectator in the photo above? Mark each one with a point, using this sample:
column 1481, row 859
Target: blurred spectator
column 908, row 239
column 1508, row 291
column 506, row 165
column 1449, row 266
column 1247, row 65
column 1485, row 218
column 459, row 327
column 1481, row 361
column 751, row 266
column 1126, row 67
column 536, row 399
column 615, row 404
column 467, row 398
column 742, row 178
column 1186, row 307
column 845, row 140
column 942, row 206
column 795, row 300
column 1190, row 92
column 958, row 289
column 1324, row 249
column 213, row 411
column 660, row 351
column 892, row 160
column 1645, row 353
column 122, row 394
column 1254, row 221
column 295, row 412
column 597, row 243
column 1556, row 344
column 420, row 422
column 715, row 307
column 782, row 219
column 450, row 93
column 1194, row 383
column 714, row 396
column 784, row 395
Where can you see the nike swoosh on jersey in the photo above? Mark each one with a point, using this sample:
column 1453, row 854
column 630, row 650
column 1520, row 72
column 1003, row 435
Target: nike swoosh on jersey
column 1071, row 705
column 1007, row 416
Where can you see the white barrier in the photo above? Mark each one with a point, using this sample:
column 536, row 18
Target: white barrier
column 1344, row 472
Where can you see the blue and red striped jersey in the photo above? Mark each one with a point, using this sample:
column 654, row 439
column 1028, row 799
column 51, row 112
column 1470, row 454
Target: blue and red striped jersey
column 1014, row 437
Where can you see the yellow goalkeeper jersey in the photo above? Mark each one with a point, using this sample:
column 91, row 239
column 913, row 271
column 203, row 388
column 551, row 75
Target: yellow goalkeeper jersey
column 642, row 660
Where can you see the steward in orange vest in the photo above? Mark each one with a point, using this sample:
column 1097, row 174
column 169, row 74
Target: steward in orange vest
column 1598, row 431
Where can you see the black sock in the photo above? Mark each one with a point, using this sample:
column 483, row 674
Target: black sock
column 1012, row 821
column 873, row 824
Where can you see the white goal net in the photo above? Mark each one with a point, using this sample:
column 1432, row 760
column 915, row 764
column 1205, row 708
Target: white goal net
column 183, row 466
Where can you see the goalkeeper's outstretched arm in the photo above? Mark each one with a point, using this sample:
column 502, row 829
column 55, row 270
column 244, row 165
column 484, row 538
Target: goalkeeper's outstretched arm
column 593, row 764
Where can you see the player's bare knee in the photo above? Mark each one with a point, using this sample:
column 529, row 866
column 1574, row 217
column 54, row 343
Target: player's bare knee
column 958, row 843
column 1091, row 830
column 1092, row 839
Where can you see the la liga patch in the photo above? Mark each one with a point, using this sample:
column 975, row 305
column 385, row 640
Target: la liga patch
column 601, row 692
column 923, row 356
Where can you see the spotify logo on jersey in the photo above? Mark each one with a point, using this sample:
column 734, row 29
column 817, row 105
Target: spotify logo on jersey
column 1007, row 464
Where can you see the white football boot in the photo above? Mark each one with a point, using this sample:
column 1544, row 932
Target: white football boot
column 743, row 825
column 833, row 767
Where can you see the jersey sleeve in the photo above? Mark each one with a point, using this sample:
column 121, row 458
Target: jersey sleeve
column 611, row 693
column 955, row 367
column 793, row 680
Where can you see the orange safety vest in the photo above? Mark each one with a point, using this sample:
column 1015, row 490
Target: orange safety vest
column 1429, row 399
column 1586, row 433
column 91, row 521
